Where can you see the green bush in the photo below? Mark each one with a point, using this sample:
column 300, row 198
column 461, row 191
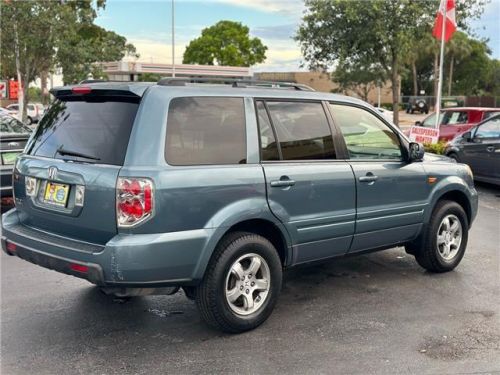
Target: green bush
column 436, row 148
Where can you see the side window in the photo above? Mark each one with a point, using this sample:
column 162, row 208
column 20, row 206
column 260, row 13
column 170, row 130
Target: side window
column 268, row 146
column 455, row 118
column 366, row 136
column 490, row 129
column 302, row 130
column 206, row 130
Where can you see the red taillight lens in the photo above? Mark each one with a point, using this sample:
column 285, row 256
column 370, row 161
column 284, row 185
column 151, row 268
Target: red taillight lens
column 134, row 200
column 11, row 247
column 79, row 268
column 81, row 90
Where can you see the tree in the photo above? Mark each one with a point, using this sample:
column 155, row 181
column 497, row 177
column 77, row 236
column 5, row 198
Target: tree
column 38, row 35
column 380, row 31
column 458, row 48
column 225, row 43
column 360, row 79
column 149, row 77
column 471, row 75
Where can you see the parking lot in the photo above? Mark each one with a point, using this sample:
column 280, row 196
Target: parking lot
column 377, row 313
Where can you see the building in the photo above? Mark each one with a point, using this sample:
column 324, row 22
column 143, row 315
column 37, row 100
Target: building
column 321, row 81
column 131, row 71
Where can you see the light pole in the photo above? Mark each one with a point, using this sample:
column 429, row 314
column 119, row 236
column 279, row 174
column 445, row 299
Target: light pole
column 173, row 39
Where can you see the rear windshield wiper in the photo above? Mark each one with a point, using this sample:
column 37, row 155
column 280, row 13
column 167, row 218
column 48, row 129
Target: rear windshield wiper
column 62, row 151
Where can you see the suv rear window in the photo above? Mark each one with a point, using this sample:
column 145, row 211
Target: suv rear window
column 206, row 130
column 97, row 128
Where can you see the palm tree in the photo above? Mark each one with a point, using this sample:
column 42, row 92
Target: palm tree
column 456, row 49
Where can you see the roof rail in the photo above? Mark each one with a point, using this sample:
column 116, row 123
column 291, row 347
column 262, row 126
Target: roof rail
column 234, row 83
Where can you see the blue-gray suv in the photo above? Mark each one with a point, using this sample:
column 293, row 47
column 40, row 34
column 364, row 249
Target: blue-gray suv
column 141, row 188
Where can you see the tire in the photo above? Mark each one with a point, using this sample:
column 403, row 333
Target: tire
column 29, row 121
column 453, row 156
column 213, row 294
column 430, row 254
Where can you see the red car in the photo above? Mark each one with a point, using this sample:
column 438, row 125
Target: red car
column 454, row 121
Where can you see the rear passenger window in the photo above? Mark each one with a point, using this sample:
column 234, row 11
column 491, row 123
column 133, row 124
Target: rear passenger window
column 302, row 130
column 268, row 146
column 366, row 136
column 206, row 130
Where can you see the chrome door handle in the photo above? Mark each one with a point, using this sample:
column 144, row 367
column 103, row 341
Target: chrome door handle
column 368, row 178
column 490, row 148
column 282, row 182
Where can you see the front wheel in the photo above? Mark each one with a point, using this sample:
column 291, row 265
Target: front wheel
column 445, row 238
column 241, row 284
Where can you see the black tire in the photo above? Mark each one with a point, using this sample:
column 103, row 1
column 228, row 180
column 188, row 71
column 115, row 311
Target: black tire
column 210, row 294
column 453, row 156
column 427, row 253
column 29, row 121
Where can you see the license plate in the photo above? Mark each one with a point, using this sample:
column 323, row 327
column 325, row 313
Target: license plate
column 9, row 157
column 56, row 194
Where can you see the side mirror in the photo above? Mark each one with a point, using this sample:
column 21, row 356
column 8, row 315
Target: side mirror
column 418, row 123
column 416, row 151
column 467, row 136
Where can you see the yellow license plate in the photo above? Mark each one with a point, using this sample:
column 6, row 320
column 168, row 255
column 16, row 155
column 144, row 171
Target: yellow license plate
column 56, row 194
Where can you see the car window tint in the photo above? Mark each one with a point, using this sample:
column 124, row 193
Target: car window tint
column 302, row 130
column 268, row 146
column 366, row 136
column 490, row 129
column 487, row 115
column 206, row 130
column 455, row 117
column 10, row 125
column 430, row 122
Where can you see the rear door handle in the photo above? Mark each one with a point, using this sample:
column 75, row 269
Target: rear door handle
column 490, row 148
column 368, row 178
column 284, row 181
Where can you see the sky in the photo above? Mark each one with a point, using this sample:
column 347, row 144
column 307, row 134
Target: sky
column 147, row 24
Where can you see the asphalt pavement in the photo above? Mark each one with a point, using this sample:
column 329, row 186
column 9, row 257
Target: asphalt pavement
column 373, row 314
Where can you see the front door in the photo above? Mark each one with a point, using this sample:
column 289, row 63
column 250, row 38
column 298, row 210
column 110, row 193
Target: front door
column 391, row 193
column 482, row 153
column 311, row 192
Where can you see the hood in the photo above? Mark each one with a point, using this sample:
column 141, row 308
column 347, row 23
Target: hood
column 432, row 158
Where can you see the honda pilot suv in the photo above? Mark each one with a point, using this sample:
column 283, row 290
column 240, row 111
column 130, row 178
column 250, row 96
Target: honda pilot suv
column 217, row 188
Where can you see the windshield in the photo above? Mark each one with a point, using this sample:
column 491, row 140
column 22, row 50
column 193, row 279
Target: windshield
column 11, row 126
column 98, row 128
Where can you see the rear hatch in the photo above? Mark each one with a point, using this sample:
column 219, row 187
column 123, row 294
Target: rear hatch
column 65, row 183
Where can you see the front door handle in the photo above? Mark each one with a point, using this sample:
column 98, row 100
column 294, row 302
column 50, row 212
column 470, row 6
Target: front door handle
column 490, row 148
column 370, row 177
column 284, row 181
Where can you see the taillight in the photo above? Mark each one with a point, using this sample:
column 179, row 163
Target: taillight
column 134, row 200
column 81, row 90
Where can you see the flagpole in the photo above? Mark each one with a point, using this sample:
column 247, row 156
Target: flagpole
column 173, row 40
column 440, row 76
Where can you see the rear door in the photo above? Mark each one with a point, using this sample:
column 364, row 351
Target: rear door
column 308, row 189
column 391, row 193
column 65, row 184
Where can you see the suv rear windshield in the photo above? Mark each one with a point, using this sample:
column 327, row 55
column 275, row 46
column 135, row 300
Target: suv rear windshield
column 95, row 130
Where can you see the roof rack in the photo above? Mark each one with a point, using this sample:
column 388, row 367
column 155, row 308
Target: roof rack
column 234, row 83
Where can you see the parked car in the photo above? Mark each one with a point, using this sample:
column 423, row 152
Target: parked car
column 8, row 112
column 13, row 137
column 35, row 112
column 454, row 121
column 416, row 103
column 143, row 188
column 480, row 149
column 388, row 115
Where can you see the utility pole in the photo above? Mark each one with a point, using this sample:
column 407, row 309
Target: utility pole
column 173, row 39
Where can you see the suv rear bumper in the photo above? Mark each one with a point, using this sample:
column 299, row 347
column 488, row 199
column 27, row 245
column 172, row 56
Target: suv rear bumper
column 139, row 260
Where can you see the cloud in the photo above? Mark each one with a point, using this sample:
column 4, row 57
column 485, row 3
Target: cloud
column 275, row 32
column 286, row 7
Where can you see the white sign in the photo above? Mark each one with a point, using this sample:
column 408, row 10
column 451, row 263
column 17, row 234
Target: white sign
column 3, row 89
column 421, row 134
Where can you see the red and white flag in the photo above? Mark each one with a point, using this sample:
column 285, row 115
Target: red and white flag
column 446, row 13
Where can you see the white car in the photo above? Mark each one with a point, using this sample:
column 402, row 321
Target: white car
column 386, row 113
column 35, row 111
column 9, row 112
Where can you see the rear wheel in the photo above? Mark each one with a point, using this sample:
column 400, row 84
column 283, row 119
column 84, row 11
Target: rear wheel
column 241, row 284
column 445, row 239
column 29, row 121
column 453, row 156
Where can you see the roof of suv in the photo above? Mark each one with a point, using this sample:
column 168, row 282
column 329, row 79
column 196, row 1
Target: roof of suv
column 205, row 89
